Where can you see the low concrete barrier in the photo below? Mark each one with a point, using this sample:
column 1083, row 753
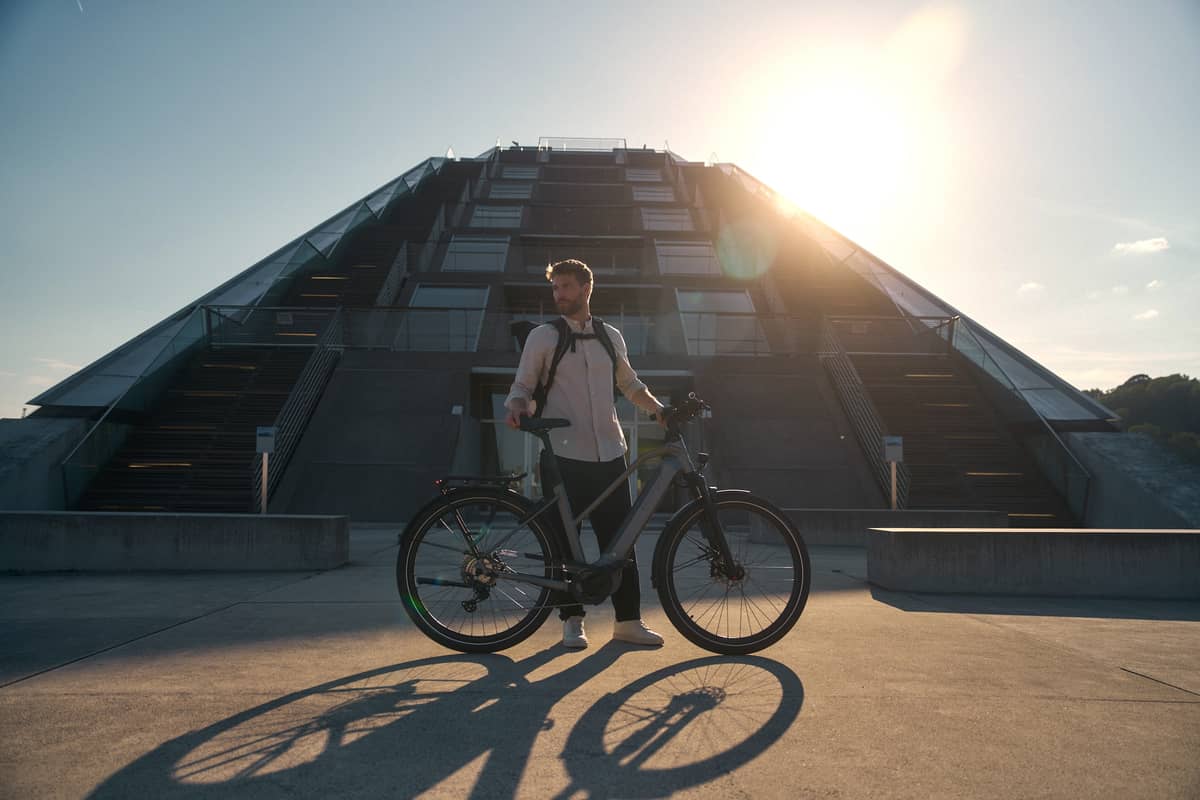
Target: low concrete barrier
column 1076, row 562
column 849, row 526
column 38, row 541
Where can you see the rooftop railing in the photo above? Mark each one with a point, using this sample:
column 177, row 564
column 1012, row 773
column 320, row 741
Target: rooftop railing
column 572, row 144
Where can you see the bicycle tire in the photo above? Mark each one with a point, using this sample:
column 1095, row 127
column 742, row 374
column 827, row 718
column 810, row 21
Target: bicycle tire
column 436, row 570
column 742, row 616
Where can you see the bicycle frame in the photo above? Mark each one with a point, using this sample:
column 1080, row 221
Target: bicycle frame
column 675, row 459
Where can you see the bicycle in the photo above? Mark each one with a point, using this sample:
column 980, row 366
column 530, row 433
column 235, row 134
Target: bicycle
column 478, row 563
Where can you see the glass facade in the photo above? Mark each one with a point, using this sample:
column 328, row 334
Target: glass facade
column 496, row 217
column 721, row 322
column 687, row 258
column 442, row 318
column 476, row 253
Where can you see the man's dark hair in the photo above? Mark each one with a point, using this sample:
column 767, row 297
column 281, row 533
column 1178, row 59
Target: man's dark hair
column 570, row 266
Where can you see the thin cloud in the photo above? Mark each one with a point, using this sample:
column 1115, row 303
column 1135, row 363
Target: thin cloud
column 39, row 380
column 1120, row 290
column 1149, row 313
column 1155, row 284
column 1029, row 287
column 1142, row 246
column 55, row 364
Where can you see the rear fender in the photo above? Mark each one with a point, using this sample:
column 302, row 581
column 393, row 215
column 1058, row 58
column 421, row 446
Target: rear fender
column 428, row 508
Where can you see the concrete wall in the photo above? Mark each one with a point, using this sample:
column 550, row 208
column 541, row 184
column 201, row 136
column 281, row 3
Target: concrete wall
column 381, row 434
column 31, row 451
column 849, row 526
column 1136, row 482
column 782, row 435
column 1159, row 564
column 32, row 541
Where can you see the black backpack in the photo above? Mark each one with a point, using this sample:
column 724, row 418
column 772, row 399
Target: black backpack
column 566, row 341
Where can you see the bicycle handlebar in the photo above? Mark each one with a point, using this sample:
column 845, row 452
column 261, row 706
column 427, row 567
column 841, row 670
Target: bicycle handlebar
column 675, row 416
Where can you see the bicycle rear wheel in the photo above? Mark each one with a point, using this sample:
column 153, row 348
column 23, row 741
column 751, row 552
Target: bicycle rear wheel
column 733, row 616
column 452, row 559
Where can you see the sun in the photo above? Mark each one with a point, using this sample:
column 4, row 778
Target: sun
column 840, row 149
column 857, row 135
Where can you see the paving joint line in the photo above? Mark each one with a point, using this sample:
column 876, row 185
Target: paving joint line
column 981, row 618
column 1158, row 680
column 155, row 632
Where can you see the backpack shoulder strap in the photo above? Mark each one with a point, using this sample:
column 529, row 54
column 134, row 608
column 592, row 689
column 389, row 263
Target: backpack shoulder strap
column 560, row 350
column 606, row 341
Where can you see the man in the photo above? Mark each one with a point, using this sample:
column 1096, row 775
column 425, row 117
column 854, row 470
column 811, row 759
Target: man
column 591, row 452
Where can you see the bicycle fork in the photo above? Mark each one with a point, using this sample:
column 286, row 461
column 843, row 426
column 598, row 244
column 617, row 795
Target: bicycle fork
column 710, row 526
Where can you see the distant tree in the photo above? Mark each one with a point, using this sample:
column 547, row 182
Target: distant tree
column 1166, row 408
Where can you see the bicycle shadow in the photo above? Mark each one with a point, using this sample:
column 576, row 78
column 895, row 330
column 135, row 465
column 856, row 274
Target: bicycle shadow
column 404, row 729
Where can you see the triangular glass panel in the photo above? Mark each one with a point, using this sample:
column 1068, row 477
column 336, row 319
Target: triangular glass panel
column 324, row 242
column 379, row 201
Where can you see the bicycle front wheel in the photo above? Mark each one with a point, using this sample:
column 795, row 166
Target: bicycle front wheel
column 452, row 568
column 733, row 615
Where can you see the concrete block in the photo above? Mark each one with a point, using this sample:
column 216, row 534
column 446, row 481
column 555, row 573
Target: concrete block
column 33, row 541
column 1074, row 562
column 849, row 526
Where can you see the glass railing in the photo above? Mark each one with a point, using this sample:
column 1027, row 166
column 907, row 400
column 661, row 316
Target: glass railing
column 689, row 333
column 107, row 435
column 265, row 326
column 861, row 335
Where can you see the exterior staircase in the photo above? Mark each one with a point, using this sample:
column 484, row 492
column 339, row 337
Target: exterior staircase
column 960, row 454
column 195, row 452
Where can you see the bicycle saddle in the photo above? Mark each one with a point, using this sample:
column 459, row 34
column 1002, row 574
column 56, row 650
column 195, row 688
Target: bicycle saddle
column 539, row 424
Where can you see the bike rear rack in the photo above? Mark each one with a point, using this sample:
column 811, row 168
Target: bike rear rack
column 449, row 482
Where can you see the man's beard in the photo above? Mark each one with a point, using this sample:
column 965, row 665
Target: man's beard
column 569, row 309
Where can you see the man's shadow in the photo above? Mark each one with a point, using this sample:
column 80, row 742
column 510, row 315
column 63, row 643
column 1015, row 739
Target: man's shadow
column 403, row 729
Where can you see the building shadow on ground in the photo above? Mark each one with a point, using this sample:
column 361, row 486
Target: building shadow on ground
column 1096, row 607
column 407, row 728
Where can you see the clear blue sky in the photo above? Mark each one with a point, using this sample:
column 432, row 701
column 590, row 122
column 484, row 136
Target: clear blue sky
column 1033, row 163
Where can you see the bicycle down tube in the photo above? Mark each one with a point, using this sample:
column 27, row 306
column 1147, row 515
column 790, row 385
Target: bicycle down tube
column 675, row 459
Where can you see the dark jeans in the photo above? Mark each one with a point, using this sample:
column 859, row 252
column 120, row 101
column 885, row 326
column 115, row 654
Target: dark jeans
column 585, row 480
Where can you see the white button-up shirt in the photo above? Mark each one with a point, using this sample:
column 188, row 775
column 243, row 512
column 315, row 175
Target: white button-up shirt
column 582, row 390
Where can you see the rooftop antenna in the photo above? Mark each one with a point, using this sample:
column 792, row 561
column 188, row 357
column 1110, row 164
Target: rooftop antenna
column 450, row 154
column 712, row 159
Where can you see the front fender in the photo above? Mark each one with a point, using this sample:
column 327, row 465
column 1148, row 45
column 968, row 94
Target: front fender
column 676, row 520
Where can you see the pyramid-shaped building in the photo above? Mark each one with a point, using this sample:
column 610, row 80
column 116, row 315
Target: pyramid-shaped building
column 380, row 346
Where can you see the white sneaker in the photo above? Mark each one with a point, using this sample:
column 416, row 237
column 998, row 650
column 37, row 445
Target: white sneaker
column 573, row 635
column 635, row 631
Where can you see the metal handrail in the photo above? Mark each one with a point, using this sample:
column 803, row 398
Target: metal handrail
column 864, row 417
column 301, row 402
column 1079, row 508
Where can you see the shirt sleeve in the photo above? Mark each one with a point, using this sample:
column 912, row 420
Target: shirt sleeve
column 538, row 346
column 627, row 379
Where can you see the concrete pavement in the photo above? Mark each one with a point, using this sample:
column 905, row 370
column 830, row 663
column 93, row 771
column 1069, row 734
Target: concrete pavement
column 285, row 685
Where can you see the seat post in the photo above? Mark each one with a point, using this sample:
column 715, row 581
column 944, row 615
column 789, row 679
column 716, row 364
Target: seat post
column 549, row 463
